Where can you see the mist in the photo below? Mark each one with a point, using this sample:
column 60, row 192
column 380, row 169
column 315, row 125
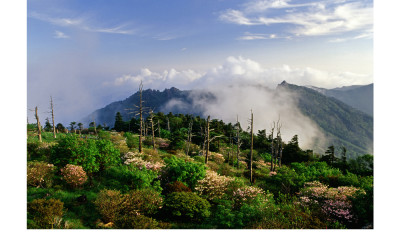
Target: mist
column 268, row 106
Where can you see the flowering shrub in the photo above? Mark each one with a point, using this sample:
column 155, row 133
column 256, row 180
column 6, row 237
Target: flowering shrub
column 217, row 158
column 248, row 194
column 74, row 175
column 119, row 141
column 213, row 186
column 333, row 202
column 272, row 173
column 135, row 159
column 45, row 213
column 39, row 174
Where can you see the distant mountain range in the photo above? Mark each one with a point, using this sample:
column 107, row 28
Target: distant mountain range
column 360, row 97
column 342, row 124
column 343, row 114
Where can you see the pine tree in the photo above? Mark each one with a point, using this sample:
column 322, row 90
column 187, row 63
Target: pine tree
column 119, row 122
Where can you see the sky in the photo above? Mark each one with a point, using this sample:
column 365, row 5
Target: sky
column 86, row 54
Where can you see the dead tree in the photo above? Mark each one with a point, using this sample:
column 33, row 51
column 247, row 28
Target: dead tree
column 159, row 130
column 141, row 116
column 80, row 126
column 38, row 124
column 189, row 138
column 280, row 146
column 152, row 129
column 52, row 116
column 207, row 143
column 94, row 125
column 276, row 148
column 272, row 147
column 251, row 148
column 169, row 129
column 238, row 140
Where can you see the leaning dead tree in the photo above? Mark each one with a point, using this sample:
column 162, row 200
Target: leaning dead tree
column 251, row 148
column 52, row 116
column 38, row 124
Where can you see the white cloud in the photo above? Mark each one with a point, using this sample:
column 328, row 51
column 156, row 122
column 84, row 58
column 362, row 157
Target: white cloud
column 60, row 35
column 239, row 71
column 236, row 16
column 159, row 80
column 82, row 23
column 308, row 19
column 250, row 36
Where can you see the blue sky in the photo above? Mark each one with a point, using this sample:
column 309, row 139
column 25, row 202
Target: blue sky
column 89, row 53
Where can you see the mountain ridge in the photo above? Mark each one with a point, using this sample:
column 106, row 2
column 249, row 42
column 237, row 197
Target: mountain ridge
column 342, row 124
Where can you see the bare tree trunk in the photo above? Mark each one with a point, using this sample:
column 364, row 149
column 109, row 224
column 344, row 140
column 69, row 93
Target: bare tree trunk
column 141, row 117
column 280, row 146
column 238, row 140
column 152, row 130
column 38, row 124
column 207, row 138
column 52, row 117
column 94, row 125
column 159, row 130
column 251, row 150
column 169, row 129
column 189, row 138
column 272, row 147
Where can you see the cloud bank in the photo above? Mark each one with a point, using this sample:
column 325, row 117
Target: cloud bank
column 239, row 70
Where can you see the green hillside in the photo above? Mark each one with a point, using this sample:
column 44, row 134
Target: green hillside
column 342, row 124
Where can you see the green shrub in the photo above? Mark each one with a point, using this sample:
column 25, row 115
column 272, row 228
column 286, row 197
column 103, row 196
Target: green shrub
column 136, row 222
column 224, row 217
column 45, row 213
column 199, row 158
column 40, row 174
column 125, row 177
column 187, row 172
column 131, row 141
column 144, row 202
column 129, row 210
column 77, row 151
column 38, row 151
column 104, row 135
column 108, row 203
column 186, row 206
column 108, row 155
column 176, row 186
